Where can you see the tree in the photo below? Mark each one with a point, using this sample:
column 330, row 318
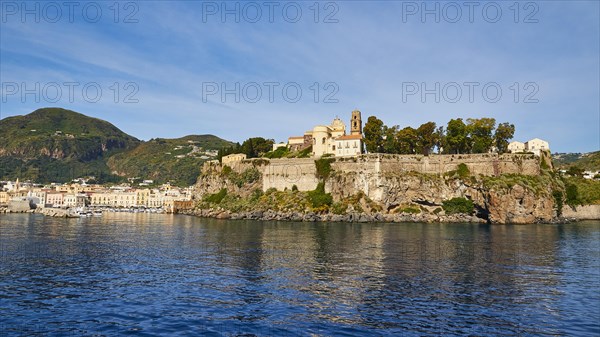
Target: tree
column 440, row 139
column 456, row 137
column 408, row 140
column 504, row 132
column 237, row 148
column 390, row 143
column 257, row 146
column 373, row 132
column 480, row 132
column 575, row 171
column 426, row 137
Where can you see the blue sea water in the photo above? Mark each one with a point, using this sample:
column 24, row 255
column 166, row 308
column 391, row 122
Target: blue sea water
column 169, row 275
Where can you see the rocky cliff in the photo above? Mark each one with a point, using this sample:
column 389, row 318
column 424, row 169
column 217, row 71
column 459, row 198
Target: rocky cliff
column 378, row 189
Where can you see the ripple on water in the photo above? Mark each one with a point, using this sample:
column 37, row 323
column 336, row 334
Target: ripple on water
column 174, row 275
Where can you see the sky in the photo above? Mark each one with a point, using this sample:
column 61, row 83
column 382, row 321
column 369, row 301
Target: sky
column 276, row 69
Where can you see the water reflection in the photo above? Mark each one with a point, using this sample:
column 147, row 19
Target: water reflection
column 165, row 274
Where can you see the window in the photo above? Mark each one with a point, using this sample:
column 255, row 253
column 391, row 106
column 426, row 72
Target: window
column 323, row 140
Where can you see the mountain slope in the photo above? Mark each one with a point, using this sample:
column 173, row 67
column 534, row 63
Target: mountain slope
column 60, row 134
column 587, row 161
column 58, row 145
column 160, row 159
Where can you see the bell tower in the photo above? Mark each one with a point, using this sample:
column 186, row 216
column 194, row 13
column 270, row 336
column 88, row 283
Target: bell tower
column 355, row 123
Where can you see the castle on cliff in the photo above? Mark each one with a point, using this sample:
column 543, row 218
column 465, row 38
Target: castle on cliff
column 330, row 139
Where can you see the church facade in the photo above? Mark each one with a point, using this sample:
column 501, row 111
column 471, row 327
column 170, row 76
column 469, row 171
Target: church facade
column 332, row 139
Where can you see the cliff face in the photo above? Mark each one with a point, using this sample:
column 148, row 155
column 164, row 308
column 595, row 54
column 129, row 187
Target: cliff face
column 386, row 188
column 497, row 204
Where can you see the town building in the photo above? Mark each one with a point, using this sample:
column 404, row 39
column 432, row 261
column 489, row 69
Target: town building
column 515, row 147
column 55, row 199
column 327, row 139
column 4, row 198
column 324, row 137
column 232, row 158
column 298, row 143
column 75, row 200
column 349, row 145
column 535, row 146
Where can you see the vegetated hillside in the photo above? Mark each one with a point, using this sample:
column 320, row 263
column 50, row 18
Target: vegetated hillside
column 57, row 145
column 60, row 134
column 587, row 161
column 177, row 160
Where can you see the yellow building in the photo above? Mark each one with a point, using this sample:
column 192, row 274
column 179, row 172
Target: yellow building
column 55, row 199
column 4, row 198
column 232, row 158
column 142, row 196
column 102, row 199
column 324, row 137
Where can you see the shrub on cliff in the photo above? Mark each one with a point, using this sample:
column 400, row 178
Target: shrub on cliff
column 408, row 210
column 323, row 166
column 226, row 170
column 580, row 191
column 306, row 153
column 280, row 152
column 320, row 199
column 458, row 205
column 216, row 198
column 249, row 175
column 463, row 170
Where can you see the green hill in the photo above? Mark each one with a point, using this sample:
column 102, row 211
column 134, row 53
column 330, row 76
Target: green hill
column 178, row 160
column 587, row 161
column 60, row 134
column 58, row 145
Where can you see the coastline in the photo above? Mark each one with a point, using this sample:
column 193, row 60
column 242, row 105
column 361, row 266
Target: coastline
column 353, row 217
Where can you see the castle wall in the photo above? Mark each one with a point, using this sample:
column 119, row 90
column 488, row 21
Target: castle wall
column 370, row 168
column 285, row 173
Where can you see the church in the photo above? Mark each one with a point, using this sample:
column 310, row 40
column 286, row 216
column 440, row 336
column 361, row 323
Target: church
column 332, row 139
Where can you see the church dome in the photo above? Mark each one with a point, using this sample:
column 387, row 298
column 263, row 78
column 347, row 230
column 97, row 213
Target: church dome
column 337, row 124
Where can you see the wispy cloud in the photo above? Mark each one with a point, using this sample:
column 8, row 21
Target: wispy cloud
column 368, row 54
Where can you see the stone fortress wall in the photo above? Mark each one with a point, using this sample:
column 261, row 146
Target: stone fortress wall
column 285, row 173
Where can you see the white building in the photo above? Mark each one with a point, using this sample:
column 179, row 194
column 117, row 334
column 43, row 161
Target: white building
column 349, row 145
column 536, row 146
column 515, row 147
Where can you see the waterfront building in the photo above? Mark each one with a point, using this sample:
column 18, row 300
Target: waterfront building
column 4, row 197
column 55, row 199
